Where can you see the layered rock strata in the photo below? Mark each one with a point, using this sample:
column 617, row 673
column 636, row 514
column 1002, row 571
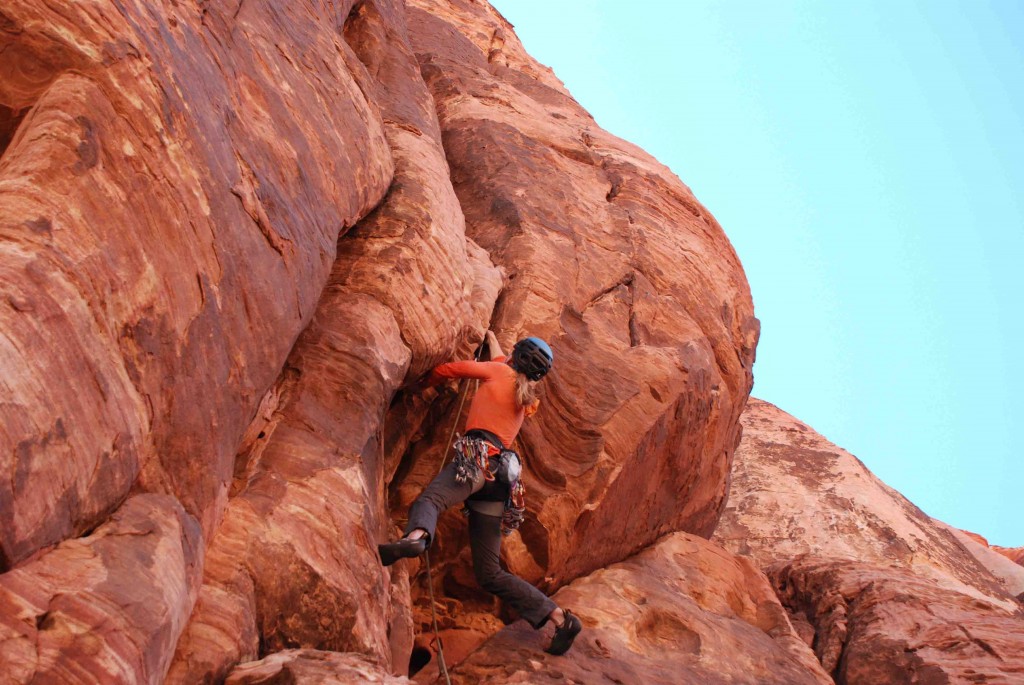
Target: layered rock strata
column 169, row 215
column 295, row 561
column 885, row 593
column 880, row 624
column 107, row 607
column 795, row 493
column 611, row 259
column 681, row 611
column 174, row 181
column 311, row 667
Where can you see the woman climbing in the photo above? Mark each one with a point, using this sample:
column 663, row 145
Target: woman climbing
column 485, row 473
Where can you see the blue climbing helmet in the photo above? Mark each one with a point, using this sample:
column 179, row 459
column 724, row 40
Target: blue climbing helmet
column 532, row 357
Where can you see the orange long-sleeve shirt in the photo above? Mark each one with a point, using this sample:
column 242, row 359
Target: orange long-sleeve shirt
column 494, row 406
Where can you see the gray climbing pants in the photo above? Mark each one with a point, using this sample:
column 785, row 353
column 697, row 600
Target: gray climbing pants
column 484, row 539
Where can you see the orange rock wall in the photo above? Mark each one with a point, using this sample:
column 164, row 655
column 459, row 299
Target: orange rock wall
column 880, row 624
column 611, row 259
column 169, row 214
column 1014, row 554
column 682, row 611
column 230, row 236
column 886, row 593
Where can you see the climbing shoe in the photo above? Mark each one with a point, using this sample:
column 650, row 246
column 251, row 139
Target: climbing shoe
column 391, row 552
column 565, row 634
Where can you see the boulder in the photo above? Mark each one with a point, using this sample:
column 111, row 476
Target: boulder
column 682, row 611
column 884, row 624
column 105, row 608
column 170, row 206
column 795, row 493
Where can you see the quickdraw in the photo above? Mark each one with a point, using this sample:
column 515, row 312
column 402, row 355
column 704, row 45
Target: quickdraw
column 515, row 508
column 472, row 455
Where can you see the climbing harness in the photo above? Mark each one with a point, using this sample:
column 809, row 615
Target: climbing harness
column 474, row 455
column 515, row 508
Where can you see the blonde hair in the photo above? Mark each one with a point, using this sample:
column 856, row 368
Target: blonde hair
column 526, row 390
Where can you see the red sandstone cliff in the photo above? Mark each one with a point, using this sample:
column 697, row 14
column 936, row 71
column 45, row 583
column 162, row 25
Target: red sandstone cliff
column 1014, row 554
column 232, row 236
column 887, row 594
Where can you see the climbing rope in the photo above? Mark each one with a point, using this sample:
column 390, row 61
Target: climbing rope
column 458, row 415
column 430, row 575
column 433, row 618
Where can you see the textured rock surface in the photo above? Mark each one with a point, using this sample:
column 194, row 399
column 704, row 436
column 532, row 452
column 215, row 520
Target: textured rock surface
column 106, row 608
column 311, row 667
column 174, row 181
column 878, row 624
column 231, row 235
column 295, row 561
column 158, row 165
column 1014, row 554
column 681, row 611
column 793, row 492
column 611, row 259
column 1009, row 574
column 886, row 594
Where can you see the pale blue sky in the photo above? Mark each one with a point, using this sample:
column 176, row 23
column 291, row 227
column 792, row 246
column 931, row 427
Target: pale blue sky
column 866, row 159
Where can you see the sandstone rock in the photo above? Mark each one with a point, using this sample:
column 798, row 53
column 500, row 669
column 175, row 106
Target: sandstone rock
column 106, row 608
column 611, row 259
column 1014, row 554
column 295, row 560
column 681, row 611
column 169, row 207
column 879, row 624
column 311, row 667
column 893, row 596
column 1009, row 574
column 174, row 180
column 795, row 493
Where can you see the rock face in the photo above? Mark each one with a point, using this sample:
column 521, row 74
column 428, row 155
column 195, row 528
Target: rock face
column 878, row 624
column 681, row 611
column 169, row 217
column 311, row 667
column 999, row 564
column 295, row 560
column 888, row 594
column 1014, row 554
column 794, row 493
column 107, row 607
column 612, row 260
column 230, row 237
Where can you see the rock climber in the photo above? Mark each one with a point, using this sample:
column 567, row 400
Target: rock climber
column 485, row 474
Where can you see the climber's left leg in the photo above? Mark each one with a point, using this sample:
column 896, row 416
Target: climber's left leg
column 485, row 540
